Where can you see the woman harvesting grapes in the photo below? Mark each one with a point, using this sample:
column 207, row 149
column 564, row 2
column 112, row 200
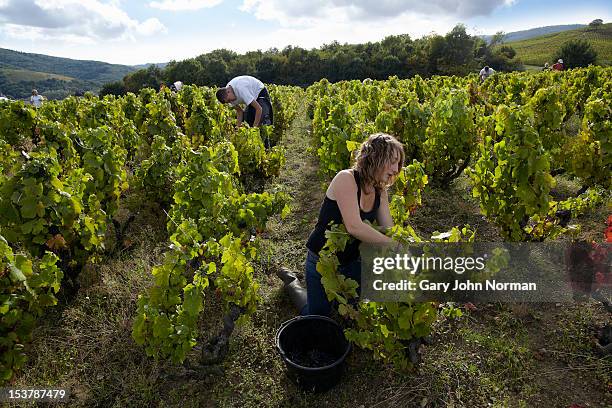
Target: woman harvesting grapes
column 354, row 196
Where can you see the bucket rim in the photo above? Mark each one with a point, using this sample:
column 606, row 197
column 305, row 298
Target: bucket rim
column 286, row 323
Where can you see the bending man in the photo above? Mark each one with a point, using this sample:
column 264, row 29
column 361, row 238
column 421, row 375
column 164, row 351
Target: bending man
column 251, row 92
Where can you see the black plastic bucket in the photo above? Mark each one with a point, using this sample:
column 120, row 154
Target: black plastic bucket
column 314, row 350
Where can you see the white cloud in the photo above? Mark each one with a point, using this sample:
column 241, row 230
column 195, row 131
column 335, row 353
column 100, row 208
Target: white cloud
column 324, row 32
column 289, row 13
column 21, row 32
column 180, row 5
column 74, row 21
column 311, row 24
column 298, row 12
column 150, row 27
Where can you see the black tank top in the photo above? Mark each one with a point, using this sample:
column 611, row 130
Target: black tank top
column 330, row 214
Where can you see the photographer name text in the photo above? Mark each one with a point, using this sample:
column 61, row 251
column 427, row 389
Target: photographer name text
column 458, row 286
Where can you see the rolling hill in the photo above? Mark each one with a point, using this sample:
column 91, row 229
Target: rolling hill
column 535, row 32
column 95, row 71
column 538, row 50
column 17, row 75
column 160, row 65
column 56, row 77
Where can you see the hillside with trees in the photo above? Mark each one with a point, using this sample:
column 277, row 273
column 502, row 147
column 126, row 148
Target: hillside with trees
column 456, row 53
column 537, row 51
column 54, row 77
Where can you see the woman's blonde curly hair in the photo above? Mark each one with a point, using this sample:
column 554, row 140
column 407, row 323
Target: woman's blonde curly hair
column 377, row 151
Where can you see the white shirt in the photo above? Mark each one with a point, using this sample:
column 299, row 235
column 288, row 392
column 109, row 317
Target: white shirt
column 484, row 74
column 36, row 100
column 246, row 88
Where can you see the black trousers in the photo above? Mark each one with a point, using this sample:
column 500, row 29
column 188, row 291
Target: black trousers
column 267, row 116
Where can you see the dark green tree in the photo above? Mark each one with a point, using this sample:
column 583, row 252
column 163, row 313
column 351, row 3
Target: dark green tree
column 507, row 51
column 577, row 53
column 116, row 88
column 436, row 46
column 497, row 39
column 240, row 66
column 185, row 71
column 150, row 77
column 482, row 51
column 458, row 52
column 216, row 69
column 595, row 24
column 390, row 66
column 268, row 68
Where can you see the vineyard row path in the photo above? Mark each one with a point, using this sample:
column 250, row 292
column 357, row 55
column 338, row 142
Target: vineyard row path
column 285, row 240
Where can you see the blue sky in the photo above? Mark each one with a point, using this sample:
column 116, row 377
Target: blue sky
column 136, row 32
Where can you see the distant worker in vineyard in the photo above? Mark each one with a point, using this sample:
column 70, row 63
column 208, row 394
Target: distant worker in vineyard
column 354, row 196
column 546, row 67
column 176, row 86
column 486, row 72
column 36, row 100
column 252, row 93
column 558, row 66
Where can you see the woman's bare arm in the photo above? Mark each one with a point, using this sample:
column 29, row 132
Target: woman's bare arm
column 343, row 189
column 383, row 216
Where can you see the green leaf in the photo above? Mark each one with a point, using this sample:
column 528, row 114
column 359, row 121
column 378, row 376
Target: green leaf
column 162, row 327
column 405, row 319
column 352, row 145
column 139, row 328
column 161, row 274
column 285, row 211
column 16, row 273
column 29, row 207
column 45, row 300
column 5, row 373
column 56, row 183
column 192, row 302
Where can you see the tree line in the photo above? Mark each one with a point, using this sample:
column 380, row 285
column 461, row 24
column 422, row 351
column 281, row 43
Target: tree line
column 456, row 53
